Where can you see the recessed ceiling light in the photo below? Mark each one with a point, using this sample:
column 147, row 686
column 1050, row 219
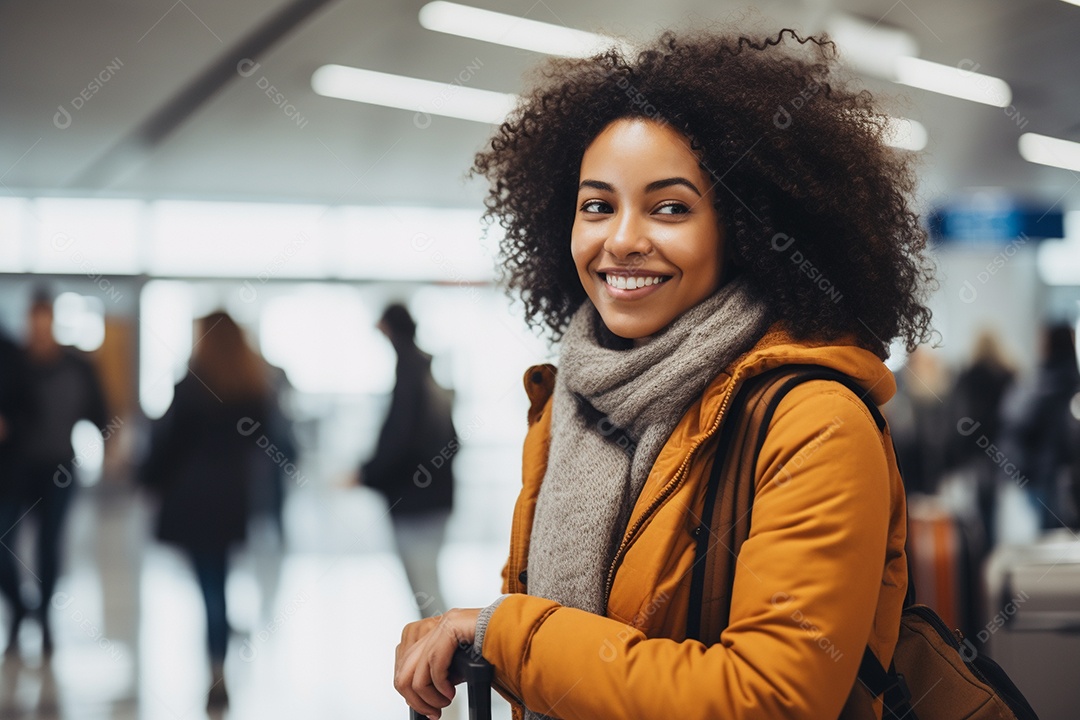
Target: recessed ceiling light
column 424, row 97
column 1051, row 151
column 514, row 31
column 958, row 81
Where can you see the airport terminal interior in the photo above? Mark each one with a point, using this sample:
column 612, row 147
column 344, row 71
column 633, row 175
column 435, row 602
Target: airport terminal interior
column 294, row 168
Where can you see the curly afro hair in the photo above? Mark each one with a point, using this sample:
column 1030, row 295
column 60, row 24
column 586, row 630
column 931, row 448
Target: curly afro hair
column 815, row 205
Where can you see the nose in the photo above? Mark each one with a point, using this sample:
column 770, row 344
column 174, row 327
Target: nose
column 628, row 237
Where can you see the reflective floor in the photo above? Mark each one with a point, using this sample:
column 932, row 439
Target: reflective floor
column 315, row 621
column 314, row 625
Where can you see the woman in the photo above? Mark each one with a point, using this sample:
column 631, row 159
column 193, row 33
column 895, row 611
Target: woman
column 204, row 455
column 683, row 221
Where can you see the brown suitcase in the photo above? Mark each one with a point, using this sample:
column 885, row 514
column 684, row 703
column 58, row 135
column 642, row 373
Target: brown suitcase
column 935, row 551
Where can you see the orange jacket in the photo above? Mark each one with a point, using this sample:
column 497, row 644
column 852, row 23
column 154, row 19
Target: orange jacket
column 822, row 574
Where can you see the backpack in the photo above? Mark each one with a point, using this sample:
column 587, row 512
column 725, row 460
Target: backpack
column 934, row 674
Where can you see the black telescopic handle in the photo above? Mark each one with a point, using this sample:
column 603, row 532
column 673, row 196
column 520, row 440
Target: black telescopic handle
column 478, row 675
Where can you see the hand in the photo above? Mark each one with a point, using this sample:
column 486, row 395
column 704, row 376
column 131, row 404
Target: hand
column 422, row 664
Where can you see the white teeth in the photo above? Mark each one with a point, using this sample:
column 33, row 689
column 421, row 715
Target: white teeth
column 632, row 282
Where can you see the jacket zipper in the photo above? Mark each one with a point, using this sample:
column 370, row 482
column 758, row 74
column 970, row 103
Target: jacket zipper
column 513, row 583
column 672, row 485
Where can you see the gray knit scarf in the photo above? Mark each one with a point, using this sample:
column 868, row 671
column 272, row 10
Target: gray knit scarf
column 613, row 410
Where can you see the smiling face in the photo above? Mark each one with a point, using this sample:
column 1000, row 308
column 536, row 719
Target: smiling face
column 646, row 240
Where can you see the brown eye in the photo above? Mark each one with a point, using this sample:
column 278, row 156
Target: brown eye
column 595, row 206
column 673, row 209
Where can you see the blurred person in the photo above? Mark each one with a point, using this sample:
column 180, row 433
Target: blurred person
column 920, row 418
column 412, row 464
column 13, row 409
column 203, row 458
column 974, row 425
column 1074, row 469
column 275, row 472
column 975, row 401
column 61, row 389
column 1036, row 428
column 268, row 489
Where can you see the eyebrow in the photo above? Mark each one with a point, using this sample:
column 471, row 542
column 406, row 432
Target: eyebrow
column 651, row 187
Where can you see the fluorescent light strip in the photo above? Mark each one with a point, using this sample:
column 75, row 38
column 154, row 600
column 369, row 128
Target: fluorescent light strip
column 1051, row 151
column 428, row 97
column 906, row 134
column 513, row 31
column 421, row 96
column 954, row 81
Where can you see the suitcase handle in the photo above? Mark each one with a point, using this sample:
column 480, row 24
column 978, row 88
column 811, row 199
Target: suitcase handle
column 478, row 675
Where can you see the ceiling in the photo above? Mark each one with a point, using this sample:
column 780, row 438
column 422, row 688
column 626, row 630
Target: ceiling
column 239, row 144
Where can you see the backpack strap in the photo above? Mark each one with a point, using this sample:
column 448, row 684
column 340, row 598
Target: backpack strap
column 725, row 518
column 726, row 515
column 891, row 685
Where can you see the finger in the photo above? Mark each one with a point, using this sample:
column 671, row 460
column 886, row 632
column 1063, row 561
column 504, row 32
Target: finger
column 444, row 645
column 439, row 665
column 423, row 683
column 413, row 680
column 405, row 669
column 411, row 634
column 403, row 683
column 424, row 697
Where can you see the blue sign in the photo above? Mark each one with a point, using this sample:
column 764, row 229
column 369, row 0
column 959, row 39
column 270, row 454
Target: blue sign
column 979, row 226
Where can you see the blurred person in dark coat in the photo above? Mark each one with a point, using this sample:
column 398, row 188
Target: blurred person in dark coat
column 411, row 467
column 1036, row 427
column 269, row 488
column 203, row 458
column 976, row 413
column 13, row 411
column 1074, row 469
column 61, row 388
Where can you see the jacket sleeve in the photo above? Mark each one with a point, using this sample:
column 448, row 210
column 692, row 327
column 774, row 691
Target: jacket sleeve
column 804, row 598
